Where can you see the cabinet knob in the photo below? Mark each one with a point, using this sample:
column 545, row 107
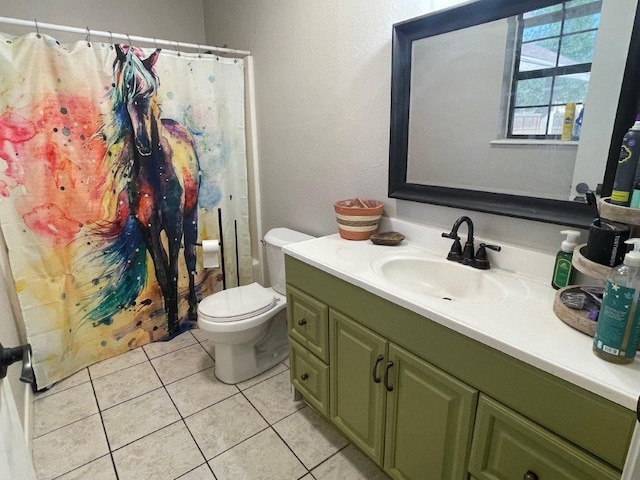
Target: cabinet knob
column 530, row 476
column 302, row 322
column 304, row 376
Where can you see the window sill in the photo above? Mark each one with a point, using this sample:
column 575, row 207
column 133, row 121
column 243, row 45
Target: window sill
column 534, row 141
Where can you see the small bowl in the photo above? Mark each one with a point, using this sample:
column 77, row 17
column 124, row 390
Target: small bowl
column 387, row 238
column 358, row 218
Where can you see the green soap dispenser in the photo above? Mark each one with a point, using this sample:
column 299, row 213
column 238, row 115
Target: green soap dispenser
column 618, row 329
column 563, row 270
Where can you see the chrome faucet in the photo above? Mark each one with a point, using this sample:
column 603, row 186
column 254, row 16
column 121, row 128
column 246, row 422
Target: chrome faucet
column 466, row 255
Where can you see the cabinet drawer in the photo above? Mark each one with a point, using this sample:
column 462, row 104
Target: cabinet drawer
column 309, row 376
column 308, row 321
column 506, row 446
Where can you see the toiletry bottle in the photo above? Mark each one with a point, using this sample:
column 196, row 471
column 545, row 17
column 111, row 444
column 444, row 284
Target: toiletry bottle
column 618, row 330
column 567, row 121
column 635, row 196
column 627, row 165
column 563, row 269
column 577, row 125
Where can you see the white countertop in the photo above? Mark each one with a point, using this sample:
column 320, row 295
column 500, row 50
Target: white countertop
column 523, row 326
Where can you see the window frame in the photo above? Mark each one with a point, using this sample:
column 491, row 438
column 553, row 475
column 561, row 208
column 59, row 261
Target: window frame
column 561, row 15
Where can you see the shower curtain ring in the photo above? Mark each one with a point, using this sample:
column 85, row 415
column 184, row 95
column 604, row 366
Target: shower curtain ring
column 87, row 38
column 199, row 54
column 178, row 47
column 110, row 39
column 37, row 29
column 155, row 42
column 129, row 38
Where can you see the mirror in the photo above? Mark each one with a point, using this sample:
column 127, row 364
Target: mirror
column 458, row 135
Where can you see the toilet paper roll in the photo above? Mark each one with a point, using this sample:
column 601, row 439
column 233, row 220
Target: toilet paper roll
column 210, row 252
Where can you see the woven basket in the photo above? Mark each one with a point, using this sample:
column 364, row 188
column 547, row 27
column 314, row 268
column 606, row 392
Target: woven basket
column 357, row 218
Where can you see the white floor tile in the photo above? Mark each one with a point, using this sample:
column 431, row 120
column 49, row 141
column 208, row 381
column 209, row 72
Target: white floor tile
column 157, row 349
column 182, row 363
column 163, row 455
column 100, row 469
column 263, row 456
column 311, row 437
column 63, row 408
column 224, row 425
column 126, row 384
column 263, row 376
column 273, row 398
column 131, row 420
column 203, row 472
column 200, row 335
column 350, row 464
column 199, row 391
column 115, row 364
column 69, row 447
column 76, row 379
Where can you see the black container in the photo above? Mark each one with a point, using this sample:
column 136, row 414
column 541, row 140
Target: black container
column 605, row 244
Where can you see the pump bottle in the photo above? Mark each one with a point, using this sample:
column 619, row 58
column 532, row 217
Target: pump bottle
column 618, row 330
column 563, row 271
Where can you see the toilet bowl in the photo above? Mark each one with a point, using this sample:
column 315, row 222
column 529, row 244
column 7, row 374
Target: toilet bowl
column 248, row 324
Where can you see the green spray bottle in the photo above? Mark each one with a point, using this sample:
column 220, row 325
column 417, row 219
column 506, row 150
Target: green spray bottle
column 618, row 330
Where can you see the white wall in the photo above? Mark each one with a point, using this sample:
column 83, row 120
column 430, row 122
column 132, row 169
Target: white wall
column 323, row 71
column 181, row 21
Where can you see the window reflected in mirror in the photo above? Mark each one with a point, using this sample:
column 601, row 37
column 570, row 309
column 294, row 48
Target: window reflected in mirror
column 551, row 53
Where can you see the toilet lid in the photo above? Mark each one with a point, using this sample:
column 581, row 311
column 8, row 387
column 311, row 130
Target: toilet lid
column 237, row 303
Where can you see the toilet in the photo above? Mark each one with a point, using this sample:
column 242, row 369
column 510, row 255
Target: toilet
column 248, row 325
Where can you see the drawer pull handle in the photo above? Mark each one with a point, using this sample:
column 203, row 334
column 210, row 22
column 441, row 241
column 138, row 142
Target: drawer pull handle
column 386, row 377
column 304, row 376
column 302, row 322
column 530, row 476
column 376, row 378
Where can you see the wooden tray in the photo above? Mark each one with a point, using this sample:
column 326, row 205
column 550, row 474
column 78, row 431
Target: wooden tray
column 586, row 266
column 574, row 318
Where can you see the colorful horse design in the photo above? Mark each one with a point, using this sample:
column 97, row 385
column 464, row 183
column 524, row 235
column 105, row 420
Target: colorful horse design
column 156, row 167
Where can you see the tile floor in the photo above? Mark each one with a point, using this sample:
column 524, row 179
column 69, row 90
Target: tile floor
column 158, row 412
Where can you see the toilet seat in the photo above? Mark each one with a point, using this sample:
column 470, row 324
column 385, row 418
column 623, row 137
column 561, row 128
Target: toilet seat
column 237, row 303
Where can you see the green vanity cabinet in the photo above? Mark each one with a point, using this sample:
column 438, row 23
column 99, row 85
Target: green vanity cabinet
column 430, row 417
column 427, row 426
column 413, row 419
column 357, row 402
column 508, row 446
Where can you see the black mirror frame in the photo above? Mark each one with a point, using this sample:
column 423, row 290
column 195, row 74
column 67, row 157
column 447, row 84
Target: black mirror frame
column 574, row 214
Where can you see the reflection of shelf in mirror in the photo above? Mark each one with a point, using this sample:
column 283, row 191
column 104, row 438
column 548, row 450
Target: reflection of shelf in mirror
column 533, row 141
column 586, row 266
column 630, row 216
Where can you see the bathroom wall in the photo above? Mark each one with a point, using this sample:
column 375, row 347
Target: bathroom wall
column 180, row 21
column 323, row 73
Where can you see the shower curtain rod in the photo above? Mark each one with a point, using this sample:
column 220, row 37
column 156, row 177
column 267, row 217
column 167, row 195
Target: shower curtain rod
column 130, row 38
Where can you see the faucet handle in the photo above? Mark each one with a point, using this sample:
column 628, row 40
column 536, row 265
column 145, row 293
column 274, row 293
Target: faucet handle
column 482, row 261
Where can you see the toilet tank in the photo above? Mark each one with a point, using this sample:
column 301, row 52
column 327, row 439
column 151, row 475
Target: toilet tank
column 275, row 239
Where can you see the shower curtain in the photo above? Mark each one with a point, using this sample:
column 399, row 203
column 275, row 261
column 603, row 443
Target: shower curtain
column 115, row 163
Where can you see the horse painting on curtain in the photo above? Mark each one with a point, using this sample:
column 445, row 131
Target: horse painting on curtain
column 115, row 161
column 156, row 160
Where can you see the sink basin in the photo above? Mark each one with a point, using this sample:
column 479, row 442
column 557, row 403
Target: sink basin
column 439, row 278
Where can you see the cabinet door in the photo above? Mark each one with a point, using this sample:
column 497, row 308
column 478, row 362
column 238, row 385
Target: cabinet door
column 357, row 402
column 507, row 446
column 307, row 320
column 429, row 418
column 310, row 376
